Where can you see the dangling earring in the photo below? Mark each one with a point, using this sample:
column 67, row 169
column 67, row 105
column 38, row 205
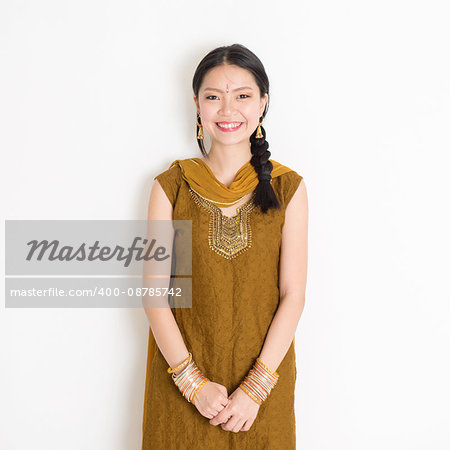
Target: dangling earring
column 200, row 128
column 259, row 134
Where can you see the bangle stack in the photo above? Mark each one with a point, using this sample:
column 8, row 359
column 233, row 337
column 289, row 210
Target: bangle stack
column 259, row 382
column 190, row 380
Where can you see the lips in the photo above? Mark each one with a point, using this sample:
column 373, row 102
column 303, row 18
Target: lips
column 228, row 126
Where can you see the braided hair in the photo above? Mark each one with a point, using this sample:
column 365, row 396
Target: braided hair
column 241, row 56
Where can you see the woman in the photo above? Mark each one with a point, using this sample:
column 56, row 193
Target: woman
column 222, row 375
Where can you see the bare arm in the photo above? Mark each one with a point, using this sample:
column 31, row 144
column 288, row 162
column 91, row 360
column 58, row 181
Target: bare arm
column 293, row 269
column 162, row 321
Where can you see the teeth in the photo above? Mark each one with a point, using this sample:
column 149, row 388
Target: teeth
column 228, row 125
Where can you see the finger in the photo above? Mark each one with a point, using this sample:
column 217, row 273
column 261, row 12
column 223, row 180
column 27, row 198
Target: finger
column 227, row 416
column 247, row 425
column 216, row 420
column 238, row 426
column 214, row 412
column 220, row 407
column 207, row 414
column 222, row 417
column 217, row 405
column 230, row 424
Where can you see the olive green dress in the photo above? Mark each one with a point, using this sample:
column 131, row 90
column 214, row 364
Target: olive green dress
column 235, row 294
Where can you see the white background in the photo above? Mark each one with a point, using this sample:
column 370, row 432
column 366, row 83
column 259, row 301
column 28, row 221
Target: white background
column 96, row 99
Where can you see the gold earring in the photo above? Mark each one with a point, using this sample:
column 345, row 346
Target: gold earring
column 259, row 134
column 200, row 129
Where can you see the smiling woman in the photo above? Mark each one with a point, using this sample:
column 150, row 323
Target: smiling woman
column 231, row 355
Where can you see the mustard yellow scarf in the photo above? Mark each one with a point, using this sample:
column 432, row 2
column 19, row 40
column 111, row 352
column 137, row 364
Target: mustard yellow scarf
column 203, row 181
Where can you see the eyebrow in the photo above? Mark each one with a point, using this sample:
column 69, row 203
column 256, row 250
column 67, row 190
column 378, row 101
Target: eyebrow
column 234, row 90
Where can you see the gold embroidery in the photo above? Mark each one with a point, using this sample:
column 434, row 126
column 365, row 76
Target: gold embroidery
column 228, row 236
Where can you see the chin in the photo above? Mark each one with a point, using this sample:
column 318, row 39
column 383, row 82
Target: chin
column 233, row 141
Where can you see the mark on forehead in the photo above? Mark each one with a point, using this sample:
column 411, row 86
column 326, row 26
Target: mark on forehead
column 227, row 88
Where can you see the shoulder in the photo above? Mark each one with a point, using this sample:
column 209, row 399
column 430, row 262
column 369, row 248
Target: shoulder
column 172, row 172
column 170, row 180
column 286, row 184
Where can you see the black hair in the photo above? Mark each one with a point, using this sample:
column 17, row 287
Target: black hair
column 241, row 56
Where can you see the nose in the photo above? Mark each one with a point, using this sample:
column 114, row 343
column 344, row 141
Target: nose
column 227, row 105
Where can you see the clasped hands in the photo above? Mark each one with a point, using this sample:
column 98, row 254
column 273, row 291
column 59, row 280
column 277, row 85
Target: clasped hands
column 236, row 412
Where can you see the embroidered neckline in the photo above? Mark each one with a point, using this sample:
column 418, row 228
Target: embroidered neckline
column 228, row 236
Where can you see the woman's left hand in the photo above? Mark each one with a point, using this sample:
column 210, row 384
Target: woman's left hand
column 239, row 414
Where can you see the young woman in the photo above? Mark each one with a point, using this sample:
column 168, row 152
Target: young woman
column 222, row 375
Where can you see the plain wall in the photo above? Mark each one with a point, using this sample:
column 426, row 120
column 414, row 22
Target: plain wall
column 96, row 99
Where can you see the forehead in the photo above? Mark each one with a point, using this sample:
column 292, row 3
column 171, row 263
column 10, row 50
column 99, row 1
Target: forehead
column 232, row 75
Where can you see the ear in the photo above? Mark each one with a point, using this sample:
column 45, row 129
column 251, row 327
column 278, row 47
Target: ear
column 196, row 104
column 263, row 103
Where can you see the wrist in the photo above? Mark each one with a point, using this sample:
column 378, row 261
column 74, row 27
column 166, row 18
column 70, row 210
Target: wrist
column 259, row 382
column 188, row 378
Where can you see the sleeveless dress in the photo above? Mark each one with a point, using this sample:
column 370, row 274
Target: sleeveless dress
column 235, row 295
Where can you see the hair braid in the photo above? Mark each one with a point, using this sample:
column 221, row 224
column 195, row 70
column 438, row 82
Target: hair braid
column 264, row 194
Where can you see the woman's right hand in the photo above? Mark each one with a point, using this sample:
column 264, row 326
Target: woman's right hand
column 211, row 399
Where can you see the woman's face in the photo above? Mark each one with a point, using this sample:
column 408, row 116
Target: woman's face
column 229, row 117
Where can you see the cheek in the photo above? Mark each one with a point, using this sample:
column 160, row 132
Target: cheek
column 250, row 112
column 208, row 111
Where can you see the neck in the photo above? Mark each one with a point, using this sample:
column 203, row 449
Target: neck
column 226, row 160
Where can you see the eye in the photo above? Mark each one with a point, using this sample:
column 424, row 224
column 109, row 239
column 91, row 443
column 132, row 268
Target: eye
column 245, row 95
column 209, row 97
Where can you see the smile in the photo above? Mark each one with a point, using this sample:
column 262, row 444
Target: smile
column 229, row 126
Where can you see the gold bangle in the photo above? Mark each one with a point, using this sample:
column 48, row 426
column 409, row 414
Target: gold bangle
column 198, row 389
column 245, row 389
column 189, row 380
column 184, row 363
column 265, row 367
column 259, row 382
